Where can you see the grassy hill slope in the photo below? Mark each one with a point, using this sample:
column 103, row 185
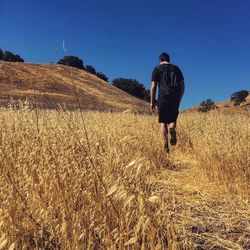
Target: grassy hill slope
column 228, row 107
column 50, row 84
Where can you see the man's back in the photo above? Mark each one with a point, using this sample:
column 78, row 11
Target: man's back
column 168, row 78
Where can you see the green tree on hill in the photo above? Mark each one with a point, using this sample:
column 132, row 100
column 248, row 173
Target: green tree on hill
column 72, row 61
column 102, row 76
column 1, row 54
column 206, row 105
column 18, row 59
column 146, row 94
column 90, row 69
column 239, row 97
column 10, row 57
column 132, row 87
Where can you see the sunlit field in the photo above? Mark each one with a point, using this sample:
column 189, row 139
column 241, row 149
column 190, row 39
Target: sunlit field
column 96, row 180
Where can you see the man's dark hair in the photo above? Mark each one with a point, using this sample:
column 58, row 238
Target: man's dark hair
column 164, row 57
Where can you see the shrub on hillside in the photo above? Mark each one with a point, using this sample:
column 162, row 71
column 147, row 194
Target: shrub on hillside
column 90, row 69
column 239, row 97
column 1, row 54
column 10, row 57
column 133, row 87
column 146, row 94
column 72, row 61
column 102, row 76
column 18, row 58
column 206, row 105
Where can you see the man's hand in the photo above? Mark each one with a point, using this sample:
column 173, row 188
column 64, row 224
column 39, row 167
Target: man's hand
column 182, row 84
column 152, row 107
column 152, row 96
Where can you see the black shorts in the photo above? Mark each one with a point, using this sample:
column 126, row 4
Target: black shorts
column 168, row 108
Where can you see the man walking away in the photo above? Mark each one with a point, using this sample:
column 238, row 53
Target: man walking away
column 169, row 79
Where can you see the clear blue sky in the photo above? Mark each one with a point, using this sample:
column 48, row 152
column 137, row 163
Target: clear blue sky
column 208, row 40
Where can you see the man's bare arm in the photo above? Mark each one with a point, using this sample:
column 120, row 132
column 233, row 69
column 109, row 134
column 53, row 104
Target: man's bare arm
column 182, row 89
column 152, row 95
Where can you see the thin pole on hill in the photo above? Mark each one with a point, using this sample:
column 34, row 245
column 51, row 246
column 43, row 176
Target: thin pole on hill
column 37, row 118
column 89, row 151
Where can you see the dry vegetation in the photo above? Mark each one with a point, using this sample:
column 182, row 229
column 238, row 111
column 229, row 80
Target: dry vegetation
column 228, row 107
column 57, row 84
column 95, row 180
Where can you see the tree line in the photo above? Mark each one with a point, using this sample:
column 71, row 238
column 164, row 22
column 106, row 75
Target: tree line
column 131, row 86
column 9, row 56
column 76, row 62
column 237, row 98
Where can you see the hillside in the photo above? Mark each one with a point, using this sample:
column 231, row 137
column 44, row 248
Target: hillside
column 228, row 107
column 50, row 84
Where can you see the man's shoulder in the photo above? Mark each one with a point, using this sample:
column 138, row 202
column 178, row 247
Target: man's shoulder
column 156, row 70
column 176, row 69
column 157, row 67
column 167, row 65
column 161, row 67
column 174, row 66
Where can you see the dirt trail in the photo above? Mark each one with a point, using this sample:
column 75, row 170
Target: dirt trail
column 202, row 215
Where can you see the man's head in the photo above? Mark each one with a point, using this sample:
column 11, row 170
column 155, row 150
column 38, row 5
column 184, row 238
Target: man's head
column 164, row 57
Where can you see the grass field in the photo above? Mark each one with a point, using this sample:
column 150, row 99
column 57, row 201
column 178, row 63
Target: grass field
column 57, row 83
column 95, row 180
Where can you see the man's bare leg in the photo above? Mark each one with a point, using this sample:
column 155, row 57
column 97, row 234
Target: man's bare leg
column 164, row 135
column 173, row 139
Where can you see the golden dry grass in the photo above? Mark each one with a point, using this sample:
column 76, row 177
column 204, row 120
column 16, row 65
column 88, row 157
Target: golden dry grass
column 93, row 180
column 59, row 84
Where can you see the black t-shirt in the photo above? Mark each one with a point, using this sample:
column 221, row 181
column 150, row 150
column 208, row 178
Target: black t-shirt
column 168, row 78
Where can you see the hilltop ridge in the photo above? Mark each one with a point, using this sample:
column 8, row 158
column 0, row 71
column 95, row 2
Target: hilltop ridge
column 51, row 84
column 227, row 106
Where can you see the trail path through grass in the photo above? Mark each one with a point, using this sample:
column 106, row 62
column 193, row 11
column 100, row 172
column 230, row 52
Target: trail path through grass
column 201, row 213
